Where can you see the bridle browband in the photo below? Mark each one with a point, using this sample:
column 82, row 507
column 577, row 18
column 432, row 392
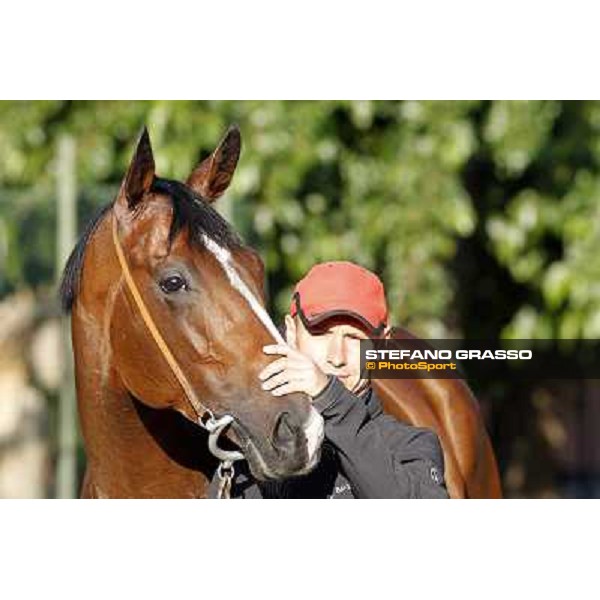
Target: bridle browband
column 206, row 418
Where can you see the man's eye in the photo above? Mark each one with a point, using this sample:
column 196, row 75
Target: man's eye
column 173, row 283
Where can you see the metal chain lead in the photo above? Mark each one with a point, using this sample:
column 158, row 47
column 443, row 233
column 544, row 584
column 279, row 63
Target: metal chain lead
column 225, row 473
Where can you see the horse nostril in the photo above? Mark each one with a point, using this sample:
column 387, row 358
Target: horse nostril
column 284, row 434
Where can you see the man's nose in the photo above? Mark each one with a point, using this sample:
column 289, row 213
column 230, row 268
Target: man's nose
column 337, row 354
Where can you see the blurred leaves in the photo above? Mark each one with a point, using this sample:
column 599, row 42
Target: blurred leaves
column 517, row 131
column 396, row 186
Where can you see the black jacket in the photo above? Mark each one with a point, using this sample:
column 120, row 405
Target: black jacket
column 366, row 454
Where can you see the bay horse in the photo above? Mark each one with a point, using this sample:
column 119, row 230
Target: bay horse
column 139, row 386
column 448, row 407
column 168, row 325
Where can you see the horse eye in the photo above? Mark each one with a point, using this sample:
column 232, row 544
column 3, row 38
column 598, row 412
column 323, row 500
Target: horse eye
column 173, row 283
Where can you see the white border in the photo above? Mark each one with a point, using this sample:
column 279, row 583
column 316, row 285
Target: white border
column 272, row 50
column 313, row 49
column 295, row 549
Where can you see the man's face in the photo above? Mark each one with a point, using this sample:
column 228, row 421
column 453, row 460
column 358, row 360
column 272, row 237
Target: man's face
column 334, row 346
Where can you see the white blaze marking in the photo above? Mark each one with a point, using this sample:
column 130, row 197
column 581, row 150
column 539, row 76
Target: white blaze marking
column 314, row 429
column 314, row 432
column 223, row 256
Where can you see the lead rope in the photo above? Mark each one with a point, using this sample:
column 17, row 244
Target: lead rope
column 214, row 426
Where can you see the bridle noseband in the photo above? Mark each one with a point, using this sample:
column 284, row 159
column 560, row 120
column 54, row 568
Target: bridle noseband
column 206, row 418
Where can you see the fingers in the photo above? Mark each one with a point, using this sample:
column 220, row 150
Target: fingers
column 292, row 372
column 275, row 367
column 291, row 359
column 277, row 349
column 281, row 379
column 288, row 388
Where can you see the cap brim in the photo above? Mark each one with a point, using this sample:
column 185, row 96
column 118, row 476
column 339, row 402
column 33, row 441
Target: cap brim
column 319, row 319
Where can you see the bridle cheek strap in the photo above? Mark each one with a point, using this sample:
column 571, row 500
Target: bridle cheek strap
column 199, row 409
column 213, row 425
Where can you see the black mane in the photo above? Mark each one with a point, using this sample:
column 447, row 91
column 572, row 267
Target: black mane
column 189, row 210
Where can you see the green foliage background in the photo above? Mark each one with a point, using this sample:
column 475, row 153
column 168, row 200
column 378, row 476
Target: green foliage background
column 481, row 217
column 400, row 187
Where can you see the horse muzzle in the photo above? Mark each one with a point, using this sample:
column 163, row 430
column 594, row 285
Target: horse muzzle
column 293, row 448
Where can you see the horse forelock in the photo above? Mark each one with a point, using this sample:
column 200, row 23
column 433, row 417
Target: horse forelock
column 197, row 214
column 190, row 211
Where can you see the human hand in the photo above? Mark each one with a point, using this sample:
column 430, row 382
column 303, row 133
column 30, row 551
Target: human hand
column 293, row 372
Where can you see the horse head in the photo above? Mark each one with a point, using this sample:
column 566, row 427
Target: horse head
column 202, row 290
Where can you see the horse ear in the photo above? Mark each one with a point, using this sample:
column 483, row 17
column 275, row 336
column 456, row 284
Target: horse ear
column 213, row 175
column 140, row 174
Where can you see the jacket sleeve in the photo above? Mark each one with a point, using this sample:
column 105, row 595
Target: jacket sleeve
column 381, row 457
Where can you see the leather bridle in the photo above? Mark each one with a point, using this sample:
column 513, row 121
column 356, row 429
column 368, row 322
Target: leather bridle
column 206, row 418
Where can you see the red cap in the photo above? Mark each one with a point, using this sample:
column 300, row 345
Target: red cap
column 340, row 288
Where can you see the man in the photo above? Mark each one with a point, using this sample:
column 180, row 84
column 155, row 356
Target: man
column 366, row 454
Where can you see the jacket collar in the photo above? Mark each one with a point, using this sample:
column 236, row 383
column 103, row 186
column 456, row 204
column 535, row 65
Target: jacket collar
column 372, row 403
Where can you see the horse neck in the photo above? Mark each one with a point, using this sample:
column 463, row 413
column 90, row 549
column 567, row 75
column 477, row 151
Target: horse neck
column 132, row 450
